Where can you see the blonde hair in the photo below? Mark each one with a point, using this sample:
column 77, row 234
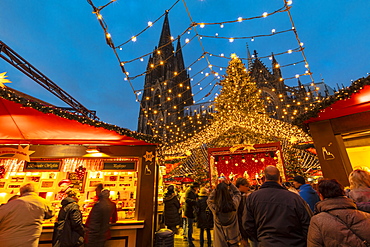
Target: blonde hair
column 359, row 179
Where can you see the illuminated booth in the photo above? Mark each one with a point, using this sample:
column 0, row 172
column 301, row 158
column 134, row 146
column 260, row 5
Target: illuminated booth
column 340, row 128
column 245, row 160
column 44, row 144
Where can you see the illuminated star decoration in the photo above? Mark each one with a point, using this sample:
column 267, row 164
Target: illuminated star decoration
column 148, row 156
column 23, row 153
column 3, row 79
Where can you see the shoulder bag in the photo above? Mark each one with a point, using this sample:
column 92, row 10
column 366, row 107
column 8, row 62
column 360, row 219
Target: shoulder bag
column 364, row 241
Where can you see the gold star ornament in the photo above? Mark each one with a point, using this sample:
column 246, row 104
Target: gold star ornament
column 3, row 79
column 148, row 156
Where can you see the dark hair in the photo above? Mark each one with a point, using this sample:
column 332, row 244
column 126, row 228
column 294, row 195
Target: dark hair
column 330, row 188
column 241, row 181
column 223, row 201
column 170, row 190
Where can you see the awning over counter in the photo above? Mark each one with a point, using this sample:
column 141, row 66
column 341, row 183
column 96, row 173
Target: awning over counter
column 20, row 124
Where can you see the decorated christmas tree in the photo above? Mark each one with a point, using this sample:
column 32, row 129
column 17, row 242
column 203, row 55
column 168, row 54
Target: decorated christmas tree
column 239, row 97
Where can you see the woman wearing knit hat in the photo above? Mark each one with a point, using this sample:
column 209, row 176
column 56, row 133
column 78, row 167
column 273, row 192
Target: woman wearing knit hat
column 204, row 217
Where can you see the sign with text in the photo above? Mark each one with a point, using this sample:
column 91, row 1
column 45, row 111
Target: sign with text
column 42, row 165
column 131, row 166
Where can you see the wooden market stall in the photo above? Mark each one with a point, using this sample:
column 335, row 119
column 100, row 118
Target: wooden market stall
column 340, row 128
column 44, row 144
column 245, row 160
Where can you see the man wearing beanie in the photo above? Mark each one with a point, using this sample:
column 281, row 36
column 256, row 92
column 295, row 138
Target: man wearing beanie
column 306, row 191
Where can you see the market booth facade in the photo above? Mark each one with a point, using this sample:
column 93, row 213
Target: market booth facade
column 45, row 148
column 340, row 128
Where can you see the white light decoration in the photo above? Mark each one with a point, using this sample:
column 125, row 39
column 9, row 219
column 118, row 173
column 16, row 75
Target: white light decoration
column 264, row 14
column 296, row 76
column 290, row 51
column 252, row 39
column 141, row 59
column 133, row 38
column 216, row 34
column 222, row 54
column 240, row 19
column 202, row 25
column 222, row 26
column 187, row 40
column 150, row 23
column 189, row 69
column 273, row 30
column 289, row 2
column 231, row 40
column 301, row 44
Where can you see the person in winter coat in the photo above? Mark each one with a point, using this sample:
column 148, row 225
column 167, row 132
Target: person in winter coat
column 337, row 221
column 21, row 219
column 306, row 191
column 191, row 198
column 204, row 217
column 69, row 217
column 244, row 187
column 224, row 202
column 275, row 216
column 98, row 221
column 172, row 216
column 359, row 181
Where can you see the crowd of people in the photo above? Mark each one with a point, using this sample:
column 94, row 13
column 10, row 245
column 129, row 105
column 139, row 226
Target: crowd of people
column 274, row 214
column 22, row 216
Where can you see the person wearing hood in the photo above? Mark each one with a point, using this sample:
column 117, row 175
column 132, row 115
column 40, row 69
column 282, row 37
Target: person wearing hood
column 337, row 222
column 172, row 217
column 306, row 191
column 69, row 230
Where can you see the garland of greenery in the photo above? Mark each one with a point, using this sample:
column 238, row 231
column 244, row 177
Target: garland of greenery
column 339, row 95
column 9, row 95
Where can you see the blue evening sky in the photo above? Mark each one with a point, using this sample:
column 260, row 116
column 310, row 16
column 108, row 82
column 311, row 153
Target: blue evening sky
column 64, row 40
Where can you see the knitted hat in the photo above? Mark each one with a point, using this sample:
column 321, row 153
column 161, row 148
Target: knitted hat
column 299, row 179
column 203, row 192
column 195, row 185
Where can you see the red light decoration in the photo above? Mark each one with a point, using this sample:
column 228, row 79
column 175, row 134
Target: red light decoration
column 80, row 172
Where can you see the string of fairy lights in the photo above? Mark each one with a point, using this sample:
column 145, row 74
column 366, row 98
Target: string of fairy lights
column 203, row 77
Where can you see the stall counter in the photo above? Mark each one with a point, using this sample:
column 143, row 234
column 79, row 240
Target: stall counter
column 123, row 234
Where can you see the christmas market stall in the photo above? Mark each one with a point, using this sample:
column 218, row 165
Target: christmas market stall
column 340, row 128
column 247, row 161
column 47, row 146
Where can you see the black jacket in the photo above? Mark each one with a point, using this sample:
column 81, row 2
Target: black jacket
column 68, row 230
column 205, row 216
column 190, row 203
column 98, row 222
column 172, row 215
column 277, row 217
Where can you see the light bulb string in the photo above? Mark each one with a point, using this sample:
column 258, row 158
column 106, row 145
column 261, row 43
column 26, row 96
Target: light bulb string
column 155, row 21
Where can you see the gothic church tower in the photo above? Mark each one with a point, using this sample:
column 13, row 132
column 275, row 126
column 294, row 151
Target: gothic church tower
column 167, row 89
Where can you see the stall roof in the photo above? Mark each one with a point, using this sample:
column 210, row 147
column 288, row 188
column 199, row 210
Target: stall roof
column 29, row 121
column 351, row 100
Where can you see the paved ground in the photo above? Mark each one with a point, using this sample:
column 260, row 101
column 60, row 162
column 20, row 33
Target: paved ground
column 179, row 242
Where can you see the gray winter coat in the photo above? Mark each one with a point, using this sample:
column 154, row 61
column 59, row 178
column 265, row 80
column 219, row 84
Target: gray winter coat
column 226, row 226
column 327, row 229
